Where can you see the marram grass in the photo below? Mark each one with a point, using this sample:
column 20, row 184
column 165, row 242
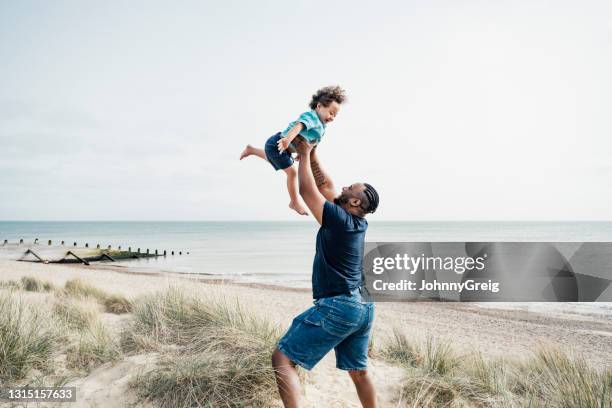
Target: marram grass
column 33, row 284
column 95, row 346
column 113, row 303
column 221, row 356
column 438, row 377
column 75, row 314
column 28, row 338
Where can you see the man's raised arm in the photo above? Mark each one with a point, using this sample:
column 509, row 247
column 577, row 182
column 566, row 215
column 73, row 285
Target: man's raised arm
column 322, row 179
column 308, row 187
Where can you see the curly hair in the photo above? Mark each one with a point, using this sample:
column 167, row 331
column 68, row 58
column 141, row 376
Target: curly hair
column 327, row 95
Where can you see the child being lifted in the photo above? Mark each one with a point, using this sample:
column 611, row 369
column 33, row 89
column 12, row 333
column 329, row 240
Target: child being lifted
column 310, row 126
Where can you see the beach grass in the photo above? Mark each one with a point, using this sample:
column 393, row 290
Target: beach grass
column 220, row 355
column 95, row 346
column 91, row 343
column 10, row 284
column 436, row 376
column 75, row 314
column 32, row 284
column 66, row 322
column 117, row 304
column 564, row 380
column 113, row 303
column 78, row 288
column 28, row 338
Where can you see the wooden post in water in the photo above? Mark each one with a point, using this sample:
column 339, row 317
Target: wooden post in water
column 98, row 246
column 70, row 253
column 180, row 252
column 86, row 245
column 156, row 252
column 119, row 247
column 74, row 244
column 36, row 241
column 164, row 252
column 62, row 243
column 138, row 250
column 49, row 242
column 147, row 251
column 129, row 249
column 172, row 252
column 21, row 241
column 29, row 251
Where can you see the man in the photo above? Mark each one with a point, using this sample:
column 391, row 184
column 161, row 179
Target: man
column 341, row 319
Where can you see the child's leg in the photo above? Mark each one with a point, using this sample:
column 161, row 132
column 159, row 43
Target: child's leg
column 292, row 187
column 253, row 151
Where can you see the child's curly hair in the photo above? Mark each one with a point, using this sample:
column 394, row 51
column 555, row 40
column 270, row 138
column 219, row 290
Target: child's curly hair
column 327, row 95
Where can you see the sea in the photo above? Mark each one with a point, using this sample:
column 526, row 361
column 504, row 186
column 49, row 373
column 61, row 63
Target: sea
column 267, row 252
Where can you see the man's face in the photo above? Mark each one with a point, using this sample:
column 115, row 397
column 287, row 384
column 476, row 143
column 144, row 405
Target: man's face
column 350, row 195
column 328, row 113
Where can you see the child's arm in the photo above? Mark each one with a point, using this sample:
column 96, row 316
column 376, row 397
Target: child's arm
column 283, row 143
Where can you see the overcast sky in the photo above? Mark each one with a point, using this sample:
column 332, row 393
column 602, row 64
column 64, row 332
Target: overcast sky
column 458, row 110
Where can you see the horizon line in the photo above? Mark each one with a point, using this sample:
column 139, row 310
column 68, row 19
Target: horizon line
column 305, row 221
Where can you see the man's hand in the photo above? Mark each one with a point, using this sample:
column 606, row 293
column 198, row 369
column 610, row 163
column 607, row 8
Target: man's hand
column 283, row 144
column 303, row 148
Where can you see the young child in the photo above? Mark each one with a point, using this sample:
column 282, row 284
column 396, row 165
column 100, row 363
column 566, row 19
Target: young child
column 311, row 125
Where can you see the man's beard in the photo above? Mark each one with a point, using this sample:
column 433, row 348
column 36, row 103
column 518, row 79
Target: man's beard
column 341, row 200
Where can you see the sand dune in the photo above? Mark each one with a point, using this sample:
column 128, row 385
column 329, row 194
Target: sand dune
column 509, row 331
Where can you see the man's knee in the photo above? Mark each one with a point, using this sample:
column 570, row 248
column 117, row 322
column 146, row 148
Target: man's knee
column 279, row 359
column 358, row 375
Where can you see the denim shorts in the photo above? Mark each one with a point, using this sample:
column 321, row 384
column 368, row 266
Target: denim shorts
column 279, row 161
column 342, row 323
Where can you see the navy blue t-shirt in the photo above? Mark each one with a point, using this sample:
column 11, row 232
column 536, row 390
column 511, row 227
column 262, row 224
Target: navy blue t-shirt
column 337, row 266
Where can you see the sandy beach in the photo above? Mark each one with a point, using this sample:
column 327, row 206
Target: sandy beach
column 501, row 330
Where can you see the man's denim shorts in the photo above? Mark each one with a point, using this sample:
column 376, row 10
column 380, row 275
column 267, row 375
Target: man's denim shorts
column 279, row 161
column 342, row 323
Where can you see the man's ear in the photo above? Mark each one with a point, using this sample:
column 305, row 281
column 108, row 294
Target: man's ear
column 354, row 202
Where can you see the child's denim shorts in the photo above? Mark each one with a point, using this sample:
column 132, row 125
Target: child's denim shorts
column 342, row 323
column 279, row 161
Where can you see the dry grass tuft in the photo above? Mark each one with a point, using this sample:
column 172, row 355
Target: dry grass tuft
column 221, row 354
column 437, row 377
column 28, row 338
column 117, row 304
column 33, row 284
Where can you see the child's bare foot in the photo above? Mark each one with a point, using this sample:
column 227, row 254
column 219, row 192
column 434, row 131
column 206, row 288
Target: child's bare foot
column 248, row 150
column 297, row 207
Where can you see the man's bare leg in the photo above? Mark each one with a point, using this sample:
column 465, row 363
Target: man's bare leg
column 253, row 151
column 292, row 187
column 287, row 379
column 365, row 388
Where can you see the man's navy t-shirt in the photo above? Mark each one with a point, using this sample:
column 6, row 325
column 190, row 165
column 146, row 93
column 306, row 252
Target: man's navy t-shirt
column 337, row 266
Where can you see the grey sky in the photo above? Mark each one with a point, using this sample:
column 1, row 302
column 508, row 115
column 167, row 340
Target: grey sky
column 458, row 110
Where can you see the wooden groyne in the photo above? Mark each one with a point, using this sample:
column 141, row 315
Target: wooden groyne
column 50, row 253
